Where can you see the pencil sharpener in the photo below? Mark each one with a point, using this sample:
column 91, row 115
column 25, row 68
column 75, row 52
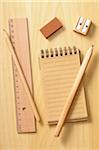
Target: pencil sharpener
column 82, row 26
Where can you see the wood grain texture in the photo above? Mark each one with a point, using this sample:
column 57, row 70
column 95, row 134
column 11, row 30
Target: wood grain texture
column 77, row 136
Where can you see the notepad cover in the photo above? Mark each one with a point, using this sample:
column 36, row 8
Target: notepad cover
column 59, row 69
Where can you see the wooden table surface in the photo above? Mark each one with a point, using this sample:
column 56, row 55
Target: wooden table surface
column 76, row 136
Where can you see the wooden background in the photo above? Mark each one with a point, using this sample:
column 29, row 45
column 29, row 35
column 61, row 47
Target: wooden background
column 76, row 136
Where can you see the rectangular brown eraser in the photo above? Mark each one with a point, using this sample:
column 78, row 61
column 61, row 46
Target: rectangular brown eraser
column 51, row 27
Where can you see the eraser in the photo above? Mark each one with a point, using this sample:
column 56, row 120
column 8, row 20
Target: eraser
column 51, row 27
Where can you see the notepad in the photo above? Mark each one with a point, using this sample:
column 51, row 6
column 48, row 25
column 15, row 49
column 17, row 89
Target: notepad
column 59, row 68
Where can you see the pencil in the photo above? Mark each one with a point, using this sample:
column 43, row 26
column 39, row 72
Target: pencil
column 25, row 84
column 73, row 91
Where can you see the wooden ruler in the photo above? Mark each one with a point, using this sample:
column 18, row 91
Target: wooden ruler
column 19, row 34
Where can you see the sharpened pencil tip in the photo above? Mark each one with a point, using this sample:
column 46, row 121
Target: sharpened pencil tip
column 6, row 33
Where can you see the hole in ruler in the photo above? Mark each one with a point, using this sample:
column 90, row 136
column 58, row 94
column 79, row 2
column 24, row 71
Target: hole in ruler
column 23, row 108
column 16, row 75
column 11, row 20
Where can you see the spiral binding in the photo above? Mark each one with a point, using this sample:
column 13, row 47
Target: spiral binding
column 59, row 52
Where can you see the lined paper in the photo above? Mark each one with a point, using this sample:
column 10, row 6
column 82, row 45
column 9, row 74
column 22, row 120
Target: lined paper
column 58, row 76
